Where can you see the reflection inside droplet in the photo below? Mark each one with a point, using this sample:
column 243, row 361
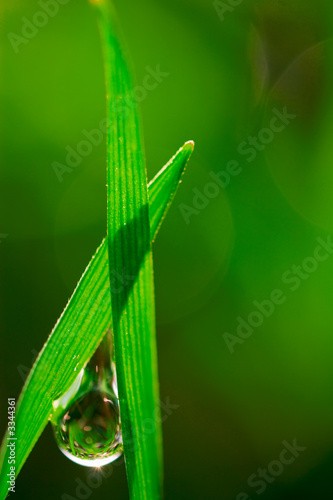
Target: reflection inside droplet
column 86, row 419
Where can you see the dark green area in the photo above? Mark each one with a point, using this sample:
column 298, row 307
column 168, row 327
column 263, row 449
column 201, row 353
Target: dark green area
column 225, row 78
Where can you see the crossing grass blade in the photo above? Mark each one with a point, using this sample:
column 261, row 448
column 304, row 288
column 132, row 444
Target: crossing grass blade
column 79, row 330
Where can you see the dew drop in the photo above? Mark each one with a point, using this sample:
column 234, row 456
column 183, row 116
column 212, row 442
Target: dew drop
column 86, row 419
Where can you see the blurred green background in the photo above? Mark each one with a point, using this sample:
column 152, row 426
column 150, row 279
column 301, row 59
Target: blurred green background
column 228, row 70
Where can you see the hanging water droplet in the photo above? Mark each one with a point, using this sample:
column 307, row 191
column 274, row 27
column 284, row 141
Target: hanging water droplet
column 86, row 419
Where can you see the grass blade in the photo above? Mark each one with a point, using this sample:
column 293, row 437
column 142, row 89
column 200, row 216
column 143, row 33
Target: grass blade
column 79, row 330
column 130, row 256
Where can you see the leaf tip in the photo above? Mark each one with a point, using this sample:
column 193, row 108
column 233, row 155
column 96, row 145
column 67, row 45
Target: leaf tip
column 189, row 146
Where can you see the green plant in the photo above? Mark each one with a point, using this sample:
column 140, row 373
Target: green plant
column 133, row 222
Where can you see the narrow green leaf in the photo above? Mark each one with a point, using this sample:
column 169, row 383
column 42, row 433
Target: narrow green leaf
column 78, row 331
column 130, row 255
